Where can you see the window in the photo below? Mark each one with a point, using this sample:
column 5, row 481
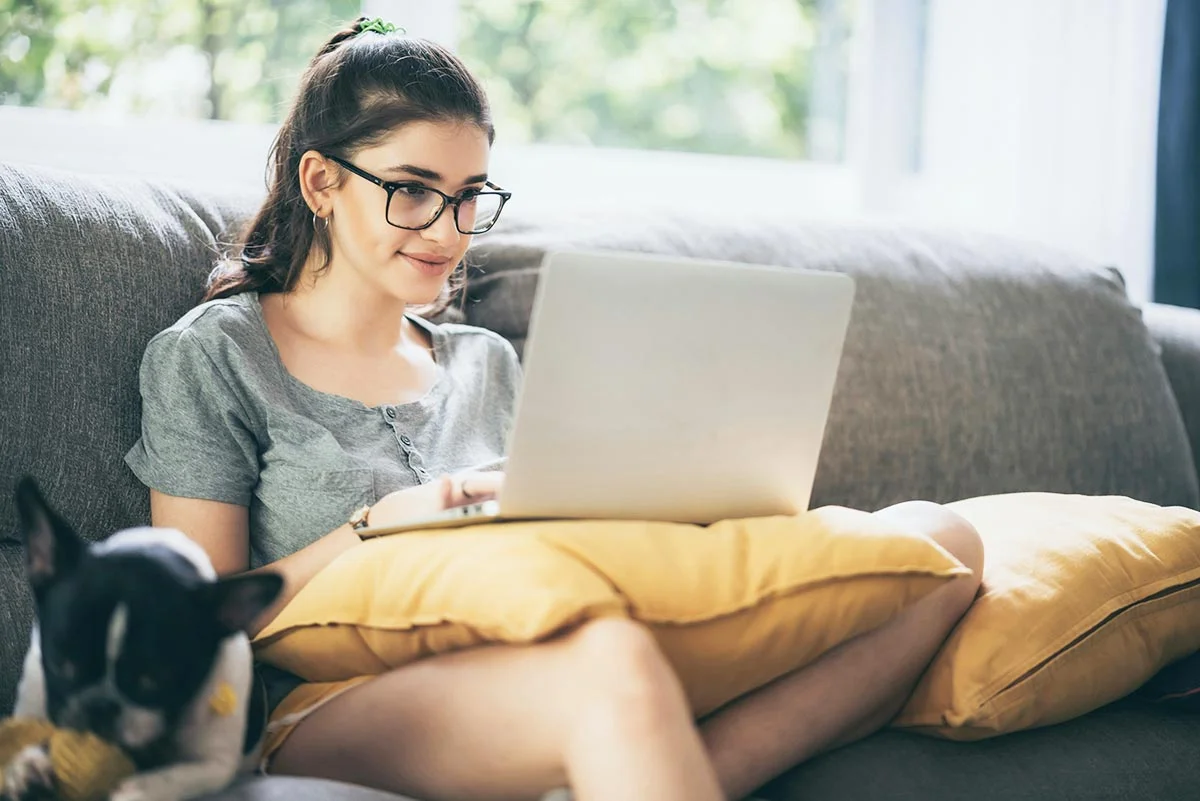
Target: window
column 736, row 77
column 208, row 59
column 745, row 77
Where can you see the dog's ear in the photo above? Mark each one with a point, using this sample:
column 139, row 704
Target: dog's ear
column 239, row 600
column 52, row 548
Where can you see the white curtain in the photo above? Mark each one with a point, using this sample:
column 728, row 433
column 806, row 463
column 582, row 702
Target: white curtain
column 1038, row 118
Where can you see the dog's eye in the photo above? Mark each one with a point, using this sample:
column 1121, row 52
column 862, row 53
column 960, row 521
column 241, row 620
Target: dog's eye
column 147, row 684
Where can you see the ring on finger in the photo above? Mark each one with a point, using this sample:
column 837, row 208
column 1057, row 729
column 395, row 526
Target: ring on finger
column 463, row 491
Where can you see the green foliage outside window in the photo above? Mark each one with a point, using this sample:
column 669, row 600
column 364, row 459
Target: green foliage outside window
column 742, row 77
column 209, row 59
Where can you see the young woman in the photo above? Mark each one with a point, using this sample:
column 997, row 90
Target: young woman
column 305, row 394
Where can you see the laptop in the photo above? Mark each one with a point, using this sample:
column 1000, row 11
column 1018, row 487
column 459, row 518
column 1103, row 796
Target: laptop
column 667, row 389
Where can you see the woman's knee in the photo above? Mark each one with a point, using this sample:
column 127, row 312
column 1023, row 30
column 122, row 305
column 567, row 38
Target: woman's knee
column 621, row 654
column 944, row 526
column 623, row 671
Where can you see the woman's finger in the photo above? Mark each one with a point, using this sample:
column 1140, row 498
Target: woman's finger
column 450, row 491
column 476, row 487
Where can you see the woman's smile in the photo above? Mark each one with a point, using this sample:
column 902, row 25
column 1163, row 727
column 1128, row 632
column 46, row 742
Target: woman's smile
column 429, row 263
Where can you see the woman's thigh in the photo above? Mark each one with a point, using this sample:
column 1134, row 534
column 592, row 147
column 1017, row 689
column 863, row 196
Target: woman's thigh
column 486, row 723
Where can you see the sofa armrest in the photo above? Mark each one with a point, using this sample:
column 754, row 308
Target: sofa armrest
column 1176, row 329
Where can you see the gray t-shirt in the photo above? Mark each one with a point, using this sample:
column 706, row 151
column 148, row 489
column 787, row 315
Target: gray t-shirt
column 223, row 420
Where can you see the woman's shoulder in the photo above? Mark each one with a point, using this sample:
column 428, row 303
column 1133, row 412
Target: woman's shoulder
column 213, row 319
column 221, row 332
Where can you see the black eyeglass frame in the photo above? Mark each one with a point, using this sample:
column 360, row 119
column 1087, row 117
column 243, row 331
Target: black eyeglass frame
column 447, row 200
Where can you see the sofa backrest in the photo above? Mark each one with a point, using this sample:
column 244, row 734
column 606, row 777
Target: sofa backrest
column 973, row 364
column 92, row 267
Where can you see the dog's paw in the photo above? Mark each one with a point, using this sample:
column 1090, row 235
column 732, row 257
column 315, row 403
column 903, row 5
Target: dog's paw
column 129, row 790
column 30, row 775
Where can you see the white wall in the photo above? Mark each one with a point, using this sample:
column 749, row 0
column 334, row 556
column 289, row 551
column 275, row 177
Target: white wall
column 224, row 155
column 196, row 152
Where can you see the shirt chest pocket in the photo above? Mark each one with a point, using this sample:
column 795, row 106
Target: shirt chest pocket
column 301, row 503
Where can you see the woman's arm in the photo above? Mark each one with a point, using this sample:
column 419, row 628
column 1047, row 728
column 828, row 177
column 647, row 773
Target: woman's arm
column 223, row 529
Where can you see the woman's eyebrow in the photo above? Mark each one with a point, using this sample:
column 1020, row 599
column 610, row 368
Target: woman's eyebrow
column 430, row 175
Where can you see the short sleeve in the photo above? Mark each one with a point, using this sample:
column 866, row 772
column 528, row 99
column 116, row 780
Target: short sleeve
column 507, row 374
column 195, row 441
column 511, row 361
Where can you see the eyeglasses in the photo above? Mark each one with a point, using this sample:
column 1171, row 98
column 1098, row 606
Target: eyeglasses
column 415, row 206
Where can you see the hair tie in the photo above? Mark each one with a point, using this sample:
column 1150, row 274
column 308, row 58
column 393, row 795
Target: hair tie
column 378, row 25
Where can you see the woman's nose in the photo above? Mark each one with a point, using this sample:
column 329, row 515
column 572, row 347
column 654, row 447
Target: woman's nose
column 443, row 231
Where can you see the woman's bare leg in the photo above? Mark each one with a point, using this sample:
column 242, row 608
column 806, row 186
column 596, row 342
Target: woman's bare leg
column 854, row 689
column 599, row 710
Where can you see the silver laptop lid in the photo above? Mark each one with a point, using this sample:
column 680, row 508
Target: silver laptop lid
column 674, row 389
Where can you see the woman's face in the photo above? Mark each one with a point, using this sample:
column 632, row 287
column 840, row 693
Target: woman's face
column 411, row 266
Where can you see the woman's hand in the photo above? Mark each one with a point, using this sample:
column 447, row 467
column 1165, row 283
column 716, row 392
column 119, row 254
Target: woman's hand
column 446, row 492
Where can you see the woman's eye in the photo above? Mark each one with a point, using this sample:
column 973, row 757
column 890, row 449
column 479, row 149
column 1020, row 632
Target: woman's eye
column 413, row 191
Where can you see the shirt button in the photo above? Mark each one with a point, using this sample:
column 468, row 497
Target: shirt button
column 390, row 414
column 404, row 438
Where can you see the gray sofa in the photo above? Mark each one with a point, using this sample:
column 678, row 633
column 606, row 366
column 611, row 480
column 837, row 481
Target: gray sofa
column 973, row 365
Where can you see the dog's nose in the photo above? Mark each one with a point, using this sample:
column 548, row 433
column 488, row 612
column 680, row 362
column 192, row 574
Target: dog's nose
column 102, row 714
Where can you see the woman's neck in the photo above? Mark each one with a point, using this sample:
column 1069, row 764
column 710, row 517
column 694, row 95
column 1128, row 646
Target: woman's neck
column 346, row 313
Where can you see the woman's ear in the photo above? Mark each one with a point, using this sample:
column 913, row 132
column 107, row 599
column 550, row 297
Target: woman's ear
column 318, row 179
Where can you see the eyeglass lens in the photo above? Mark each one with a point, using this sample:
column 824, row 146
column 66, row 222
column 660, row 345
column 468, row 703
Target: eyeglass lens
column 415, row 206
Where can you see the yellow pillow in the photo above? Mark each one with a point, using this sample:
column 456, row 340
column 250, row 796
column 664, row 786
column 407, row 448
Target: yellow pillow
column 734, row 605
column 1084, row 598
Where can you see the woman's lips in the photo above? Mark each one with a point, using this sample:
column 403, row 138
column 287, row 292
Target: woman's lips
column 428, row 264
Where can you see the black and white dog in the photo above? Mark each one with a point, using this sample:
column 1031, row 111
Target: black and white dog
column 139, row 642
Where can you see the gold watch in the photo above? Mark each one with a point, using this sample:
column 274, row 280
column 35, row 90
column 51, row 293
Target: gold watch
column 358, row 518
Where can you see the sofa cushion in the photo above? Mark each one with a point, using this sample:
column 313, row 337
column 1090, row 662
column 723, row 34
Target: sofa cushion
column 1124, row 751
column 973, row 365
column 291, row 788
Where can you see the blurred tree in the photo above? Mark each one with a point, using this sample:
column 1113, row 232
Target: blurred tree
column 741, row 77
column 716, row 76
column 215, row 59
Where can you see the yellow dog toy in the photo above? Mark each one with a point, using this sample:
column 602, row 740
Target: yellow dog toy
column 86, row 768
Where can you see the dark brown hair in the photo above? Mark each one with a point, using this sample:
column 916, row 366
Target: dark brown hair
column 356, row 90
